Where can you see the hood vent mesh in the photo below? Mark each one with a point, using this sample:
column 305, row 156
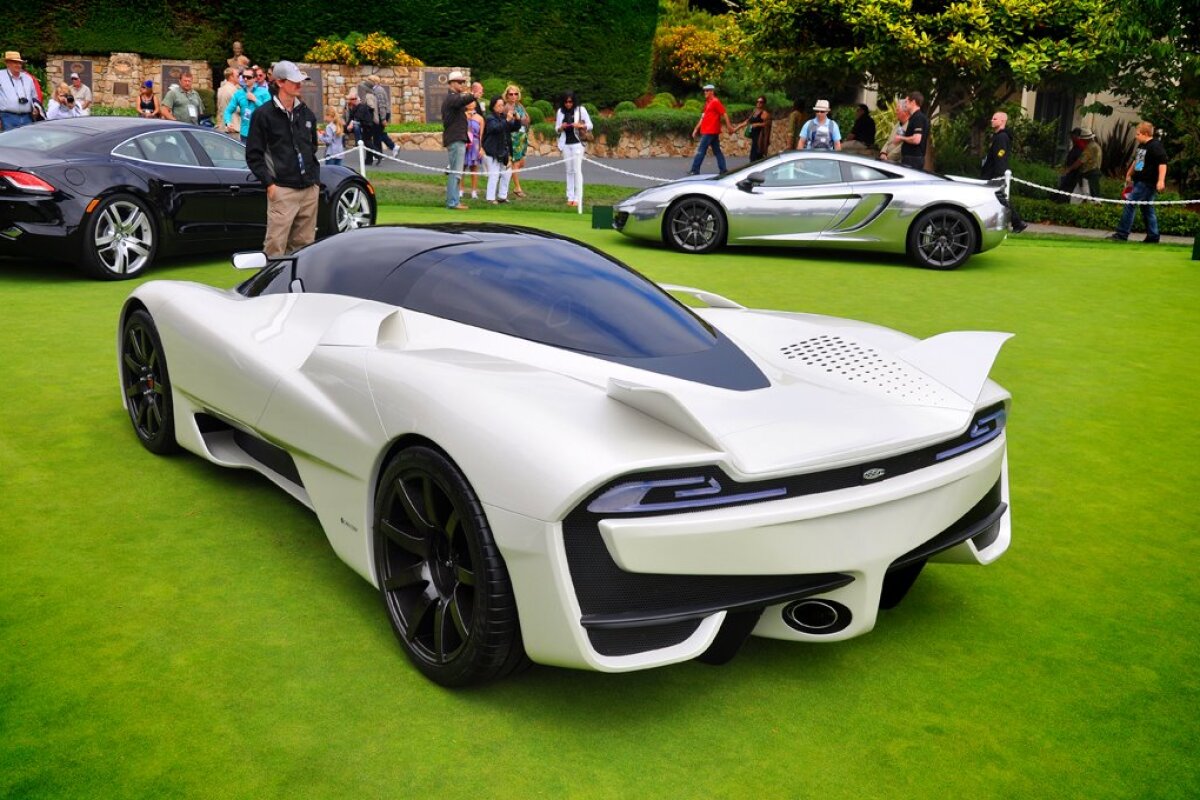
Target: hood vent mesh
column 865, row 368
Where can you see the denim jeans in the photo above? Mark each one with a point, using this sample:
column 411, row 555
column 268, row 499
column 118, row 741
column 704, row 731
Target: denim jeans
column 13, row 121
column 709, row 140
column 457, row 152
column 1141, row 191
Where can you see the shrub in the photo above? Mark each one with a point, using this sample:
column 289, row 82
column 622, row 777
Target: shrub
column 113, row 111
column 1172, row 220
column 376, row 48
column 208, row 99
column 693, row 106
column 545, row 107
column 493, row 87
column 535, row 115
column 592, row 111
column 1116, row 149
column 664, row 100
column 544, row 130
column 626, row 105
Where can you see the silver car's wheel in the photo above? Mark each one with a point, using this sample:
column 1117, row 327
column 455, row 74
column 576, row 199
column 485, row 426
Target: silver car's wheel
column 695, row 225
column 942, row 239
column 120, row 240
column 351, row 208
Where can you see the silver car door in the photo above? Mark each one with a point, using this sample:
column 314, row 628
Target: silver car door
column 796, row 200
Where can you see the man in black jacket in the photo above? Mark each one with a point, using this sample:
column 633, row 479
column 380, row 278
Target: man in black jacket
column 996, row 163
column 281, row 151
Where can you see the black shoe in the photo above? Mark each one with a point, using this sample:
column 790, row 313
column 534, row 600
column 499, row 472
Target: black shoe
column 1116, row 237
column 1020, row 227
column 1151, row 240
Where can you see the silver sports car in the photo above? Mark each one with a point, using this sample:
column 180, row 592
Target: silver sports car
column 823, row 199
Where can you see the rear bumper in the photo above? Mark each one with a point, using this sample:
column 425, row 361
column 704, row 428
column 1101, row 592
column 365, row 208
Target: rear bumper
column 33, row 227
column 625, row 594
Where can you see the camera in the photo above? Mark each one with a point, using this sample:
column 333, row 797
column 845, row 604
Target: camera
column 22, row 100
column 70, row 99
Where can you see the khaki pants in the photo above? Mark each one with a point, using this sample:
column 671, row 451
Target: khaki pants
column 291, row 220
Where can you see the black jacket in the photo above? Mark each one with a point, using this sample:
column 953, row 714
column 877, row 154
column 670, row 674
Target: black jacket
column 454, row 117
column 497, row 139
column 996, row 162
column 283, row 151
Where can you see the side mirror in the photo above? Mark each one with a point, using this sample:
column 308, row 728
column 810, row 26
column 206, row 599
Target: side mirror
column 752, row 181
column 249, row 260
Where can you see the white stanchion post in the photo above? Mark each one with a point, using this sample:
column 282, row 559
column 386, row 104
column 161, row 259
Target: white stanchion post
column 1008, row 183
column 362, row 159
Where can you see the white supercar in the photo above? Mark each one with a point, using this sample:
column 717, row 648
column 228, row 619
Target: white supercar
column 534, row 453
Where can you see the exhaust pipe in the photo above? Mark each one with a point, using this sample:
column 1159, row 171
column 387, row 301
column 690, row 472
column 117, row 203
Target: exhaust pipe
column 817, row 617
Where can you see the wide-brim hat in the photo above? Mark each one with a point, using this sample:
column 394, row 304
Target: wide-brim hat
column 822, row 105
column 1086, row 133
column 13, row 55
column 287, row 71
column 456, row 76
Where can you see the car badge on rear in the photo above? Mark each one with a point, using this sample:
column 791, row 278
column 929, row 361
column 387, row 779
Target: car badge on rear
column 874, row 474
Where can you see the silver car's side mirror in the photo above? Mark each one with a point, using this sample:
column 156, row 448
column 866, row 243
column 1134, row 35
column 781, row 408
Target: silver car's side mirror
column 752, row 181
column 249, row 260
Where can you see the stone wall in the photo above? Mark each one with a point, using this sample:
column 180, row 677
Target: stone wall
column 116, row 78
column 415, row 92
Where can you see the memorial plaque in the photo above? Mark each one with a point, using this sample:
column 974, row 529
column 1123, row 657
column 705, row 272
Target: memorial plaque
column 311, row 92
column 82, row 67
column 436, row 90
column 120, row 90
column 170, row 76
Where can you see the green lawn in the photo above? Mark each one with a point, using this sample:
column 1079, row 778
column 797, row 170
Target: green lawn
column 171, row 629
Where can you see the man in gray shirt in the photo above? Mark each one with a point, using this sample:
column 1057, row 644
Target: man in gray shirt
column 183, row 103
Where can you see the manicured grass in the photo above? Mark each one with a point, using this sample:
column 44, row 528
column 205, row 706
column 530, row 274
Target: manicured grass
column 412, row 189
column 168, row 628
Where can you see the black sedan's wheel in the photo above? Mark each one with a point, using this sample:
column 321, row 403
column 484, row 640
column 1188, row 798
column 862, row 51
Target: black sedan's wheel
column 943, row 238
column 351, row 208
column 119, row 240
column 147, row 384
column 444, row 584
column 695, row 225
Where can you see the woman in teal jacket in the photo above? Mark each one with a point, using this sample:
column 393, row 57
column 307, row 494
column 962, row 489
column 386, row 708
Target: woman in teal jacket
column 244, row 101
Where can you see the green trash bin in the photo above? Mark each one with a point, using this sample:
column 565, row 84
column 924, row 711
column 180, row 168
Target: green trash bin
column 1196, row 248
column 602, row 217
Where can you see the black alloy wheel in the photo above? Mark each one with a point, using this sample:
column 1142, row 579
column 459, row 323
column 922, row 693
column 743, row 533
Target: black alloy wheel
column 443, row 582
column 147, row 384
column 943, row 238
column 350, row 208
column 120, row 240
column 695, row 225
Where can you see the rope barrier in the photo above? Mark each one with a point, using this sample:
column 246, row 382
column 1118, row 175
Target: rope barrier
column 1013, row 179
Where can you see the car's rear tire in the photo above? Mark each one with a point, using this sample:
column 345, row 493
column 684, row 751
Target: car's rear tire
column 694, row 225
column 350, row 208
column 147, row 384
column 120, row 239
column 942, row 238
column 444, row 584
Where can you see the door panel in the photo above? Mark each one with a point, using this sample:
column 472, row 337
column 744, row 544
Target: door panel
column 242, row 203
column 797, row 200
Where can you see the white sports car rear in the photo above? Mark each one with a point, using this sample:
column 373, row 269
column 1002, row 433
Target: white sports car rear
column 536, row 453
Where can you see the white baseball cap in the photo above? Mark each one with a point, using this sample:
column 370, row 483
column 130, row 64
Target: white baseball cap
column 287, row 71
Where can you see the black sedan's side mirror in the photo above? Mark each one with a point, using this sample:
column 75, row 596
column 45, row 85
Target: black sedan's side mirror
column 751, row 181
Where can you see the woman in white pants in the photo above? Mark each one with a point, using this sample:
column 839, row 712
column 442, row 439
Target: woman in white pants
column 497, row 149
column 572, row 122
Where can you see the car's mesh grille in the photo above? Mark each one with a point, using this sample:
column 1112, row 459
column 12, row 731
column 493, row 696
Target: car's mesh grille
column 844, row 359
column 627, row 641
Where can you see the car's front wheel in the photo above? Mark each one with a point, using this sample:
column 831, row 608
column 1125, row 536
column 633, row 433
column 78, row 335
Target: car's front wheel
column 120, row 240
column 444, row 584
column 350, row 209
column 147, row 384
column 943, row 238
column 695, row 225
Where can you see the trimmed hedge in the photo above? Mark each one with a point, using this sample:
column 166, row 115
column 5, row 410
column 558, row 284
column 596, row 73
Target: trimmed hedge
column 600, row 50
column 1172, row 220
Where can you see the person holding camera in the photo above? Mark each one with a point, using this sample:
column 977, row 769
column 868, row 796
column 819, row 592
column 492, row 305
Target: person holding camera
column 18, row 93
column 62, row 105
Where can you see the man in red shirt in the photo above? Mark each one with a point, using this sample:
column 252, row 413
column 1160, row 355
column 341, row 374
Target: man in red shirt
column 709, row 129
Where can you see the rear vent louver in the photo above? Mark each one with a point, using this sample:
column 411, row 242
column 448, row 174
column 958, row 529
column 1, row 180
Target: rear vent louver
column 864, row 367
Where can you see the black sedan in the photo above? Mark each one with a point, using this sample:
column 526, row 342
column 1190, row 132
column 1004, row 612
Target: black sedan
column 111, row 194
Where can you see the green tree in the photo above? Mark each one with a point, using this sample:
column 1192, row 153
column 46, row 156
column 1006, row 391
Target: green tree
column 954, row 53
